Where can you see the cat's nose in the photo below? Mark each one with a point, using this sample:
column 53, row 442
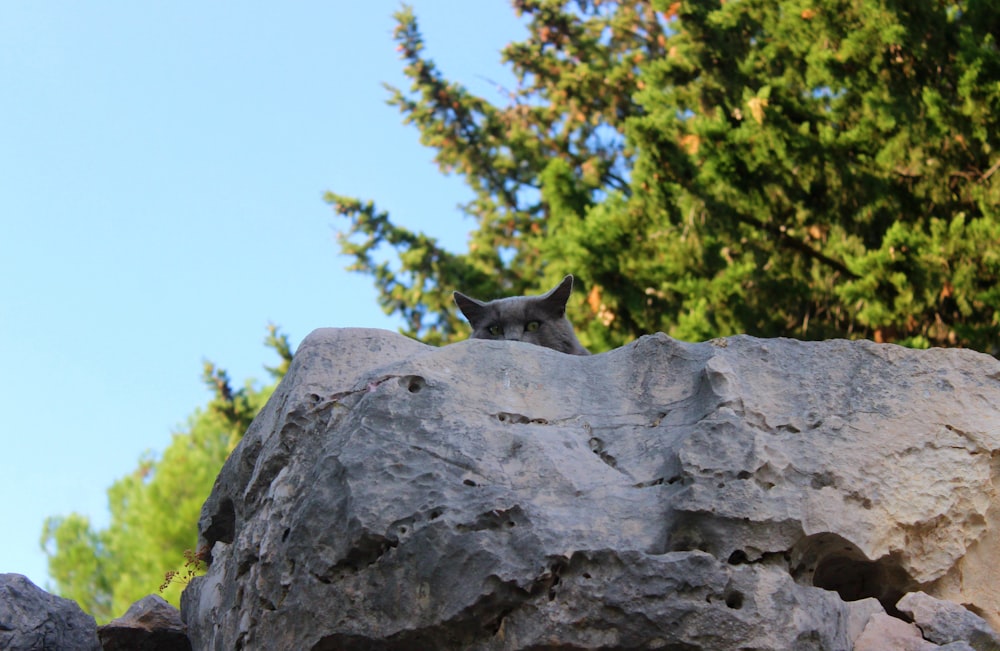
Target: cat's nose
column 512, row 336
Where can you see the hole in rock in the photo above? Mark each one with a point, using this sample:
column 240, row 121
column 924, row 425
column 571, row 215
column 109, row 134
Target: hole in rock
column 368, row 549
column 555, row 574
column 976, row 610
column 469, row 482
column 694, row 532
column 413, row 383
column 495, row 519
column 822, row 480
column 284, row 536
column 689, row 545
column 734, row 599
column 497, row 624
column 738, row 557
column 831, row 562
column 517, row 419
column 222, row 525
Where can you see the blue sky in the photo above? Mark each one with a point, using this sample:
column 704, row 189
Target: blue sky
column 162, row 166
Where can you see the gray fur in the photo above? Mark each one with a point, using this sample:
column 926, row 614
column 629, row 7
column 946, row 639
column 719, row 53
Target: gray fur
column 539, row 320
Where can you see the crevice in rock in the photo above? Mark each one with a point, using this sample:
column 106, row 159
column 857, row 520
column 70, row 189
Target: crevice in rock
column 597, row 446
column 823, row 480
column 858, row 497
column 367, row 550
column 658, row 419
column 412, row 383
column 246, row 563
column 692, row 532
column 221, row 526
column 976, row 610
column 496, row 520
column 249, row 454
column 829, row 561
column 508, row 418
column 554, row 576
column 480, row 621
column 269, row 469
column 497, row 624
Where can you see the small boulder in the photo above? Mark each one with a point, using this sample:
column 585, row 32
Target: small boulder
column 150, row 624
column 31, row 619
column 944, row 622
column 887, row 633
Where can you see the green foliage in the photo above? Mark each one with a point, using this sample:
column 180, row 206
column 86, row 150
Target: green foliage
column 155, row 509
column 195, row 565
column 81, row 563
column 811, row 168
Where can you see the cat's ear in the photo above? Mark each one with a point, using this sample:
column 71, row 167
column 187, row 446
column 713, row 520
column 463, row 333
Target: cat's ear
column 555, row 300
column 471, row 308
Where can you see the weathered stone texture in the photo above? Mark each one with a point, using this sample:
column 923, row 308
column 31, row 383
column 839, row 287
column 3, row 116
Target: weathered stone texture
column 150, row 624
column 31, row 619
column 734, row 494
column 945, row 622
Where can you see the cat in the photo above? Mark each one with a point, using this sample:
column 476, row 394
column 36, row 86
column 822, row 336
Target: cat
column 539, row 320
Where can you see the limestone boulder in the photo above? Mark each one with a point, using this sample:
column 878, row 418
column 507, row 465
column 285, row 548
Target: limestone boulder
column 31, row 619
column 887, row 633
column 150, row 624
column 733, row 494
column 945, row 622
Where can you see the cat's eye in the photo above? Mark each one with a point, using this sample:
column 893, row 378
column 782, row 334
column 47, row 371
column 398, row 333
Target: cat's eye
column 532, row 326
column 495, row 330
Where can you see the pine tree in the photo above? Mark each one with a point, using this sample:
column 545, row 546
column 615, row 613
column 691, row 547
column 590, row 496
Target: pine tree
column 810, row 168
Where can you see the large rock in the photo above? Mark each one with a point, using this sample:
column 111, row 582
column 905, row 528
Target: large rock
column 886, row 633
column 739, row 493
column 945, row 622
column 31, row 619
column 150, row 624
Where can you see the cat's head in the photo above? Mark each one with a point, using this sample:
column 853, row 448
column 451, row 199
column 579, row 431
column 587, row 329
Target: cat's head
column 539, row 320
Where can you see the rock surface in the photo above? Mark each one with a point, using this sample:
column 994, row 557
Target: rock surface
column 150, row 624
column 945, row 622
column 739, row 493
column 31, row 619
column 887, row 633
